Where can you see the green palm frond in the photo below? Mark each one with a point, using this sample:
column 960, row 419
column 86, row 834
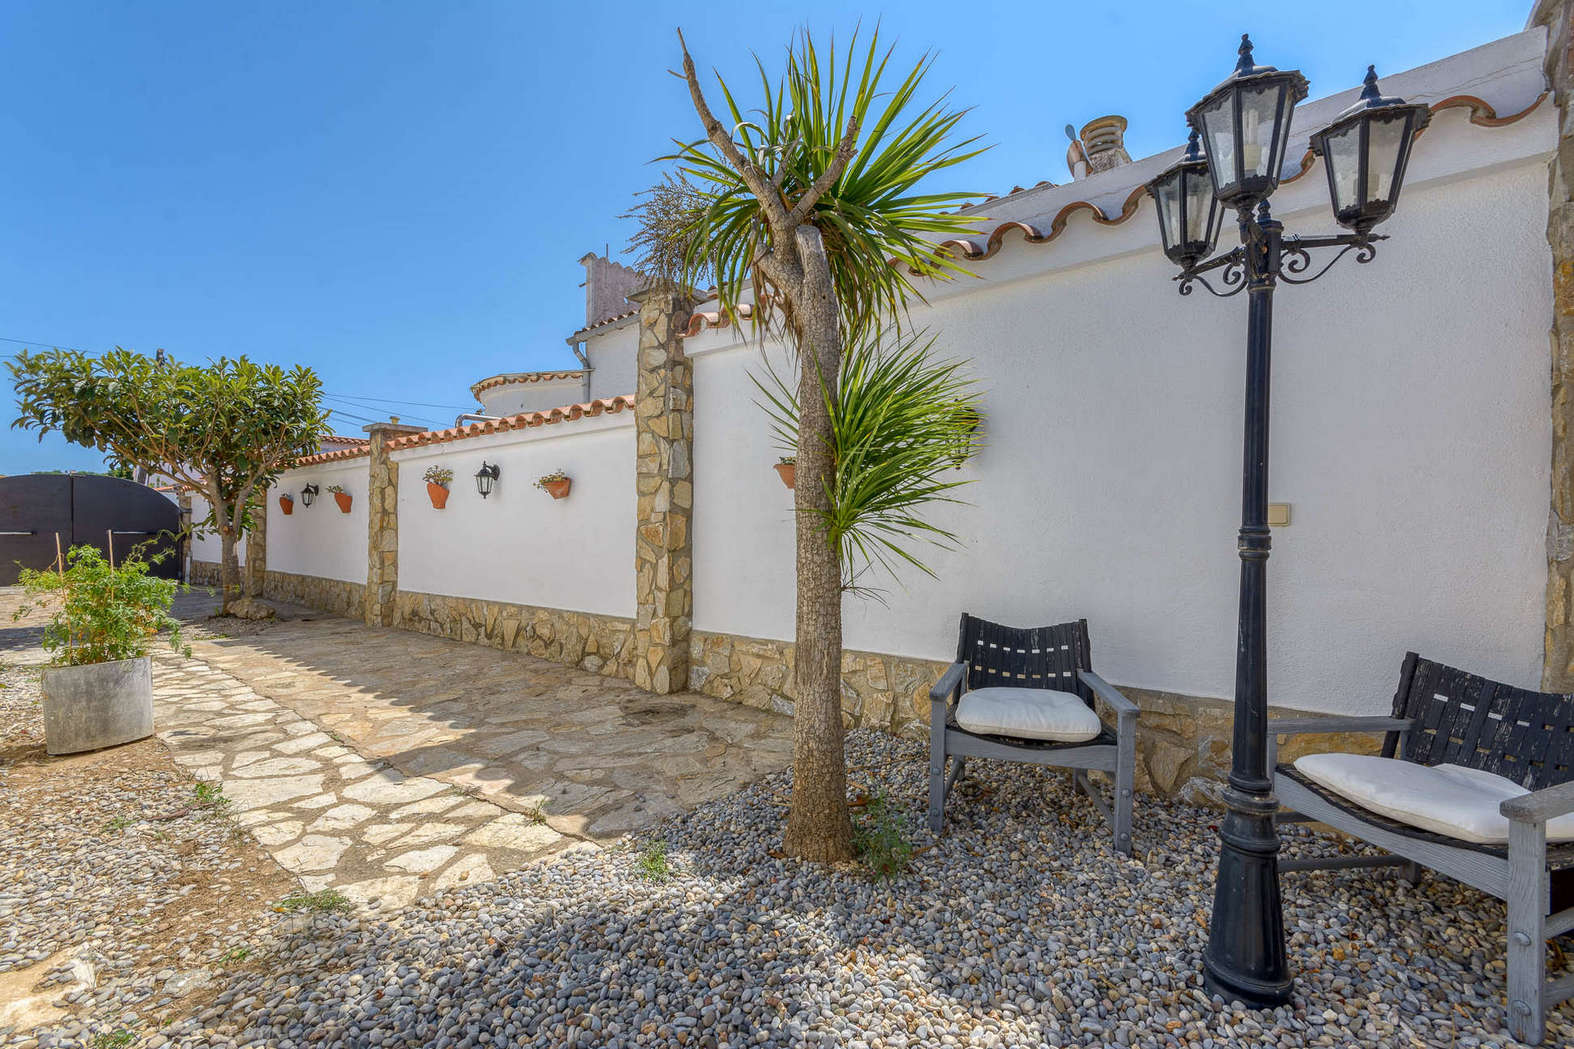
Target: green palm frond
column 877, row 220
column 903, row 421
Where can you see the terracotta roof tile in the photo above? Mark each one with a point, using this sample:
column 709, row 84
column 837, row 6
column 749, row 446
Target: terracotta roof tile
column 1481, row 114
column 546, row 417
column 509, row 378
column 587, row 329
column 336, row 455
column 699, row 321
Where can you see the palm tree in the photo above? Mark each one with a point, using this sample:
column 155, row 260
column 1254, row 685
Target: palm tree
column 816, row 205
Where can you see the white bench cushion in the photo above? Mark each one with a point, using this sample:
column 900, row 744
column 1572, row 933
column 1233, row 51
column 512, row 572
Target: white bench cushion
column 1028, row 713
column 1451, row 800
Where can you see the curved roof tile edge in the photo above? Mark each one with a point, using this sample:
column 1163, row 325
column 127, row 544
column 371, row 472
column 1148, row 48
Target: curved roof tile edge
column 523, row 420
column 1482, row 114
column 333, row 457
column 509, row 378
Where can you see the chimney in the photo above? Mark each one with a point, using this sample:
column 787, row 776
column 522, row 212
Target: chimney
column 1100, row 147
column 607, row 287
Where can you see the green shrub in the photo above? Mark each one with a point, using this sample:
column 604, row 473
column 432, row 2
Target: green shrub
column 101, row 612
column 652, row 862
column 880, row 840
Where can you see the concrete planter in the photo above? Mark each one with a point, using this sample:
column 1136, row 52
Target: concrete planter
column 97, row 705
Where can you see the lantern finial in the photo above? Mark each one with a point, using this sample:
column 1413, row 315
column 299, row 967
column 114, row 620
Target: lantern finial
column 1369, row 85
column 1247, row 63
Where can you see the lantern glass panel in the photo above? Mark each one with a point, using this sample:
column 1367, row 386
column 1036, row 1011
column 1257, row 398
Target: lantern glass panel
column 1218, row 129
column 1167, row 196
column 1201, row 209
column 1385, row 146
column 1342, row 154
column 1260, row 111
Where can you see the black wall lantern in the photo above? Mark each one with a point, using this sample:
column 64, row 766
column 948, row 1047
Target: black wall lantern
column 486, row 479
column 1189, row 213
column 1245, row 122
column 1366, row 150
column 308, row 494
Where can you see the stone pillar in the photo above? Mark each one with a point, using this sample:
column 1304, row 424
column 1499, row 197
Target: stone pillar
column 254, row 572
column 1558, row 659
column 663, row 547
column 382, row 524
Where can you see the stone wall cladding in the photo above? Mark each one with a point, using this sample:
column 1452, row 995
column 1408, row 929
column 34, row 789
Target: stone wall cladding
column 204, row 573
column 1180, row 739
column 1558, row 661
column 597, row 643
column 254, row 572
column 664, row 487
column 330, row 595
column 382, row 524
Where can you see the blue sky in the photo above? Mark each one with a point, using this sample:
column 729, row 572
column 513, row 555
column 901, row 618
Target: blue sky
column 396, row 193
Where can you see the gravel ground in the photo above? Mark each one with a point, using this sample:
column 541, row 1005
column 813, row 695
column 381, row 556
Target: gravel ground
column 1019, row 928
column 123, row 895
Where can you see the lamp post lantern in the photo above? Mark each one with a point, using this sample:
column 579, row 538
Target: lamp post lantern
column 1243, row 126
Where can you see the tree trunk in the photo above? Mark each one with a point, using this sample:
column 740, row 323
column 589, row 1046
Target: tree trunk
column 818, row 825
column 229, row 562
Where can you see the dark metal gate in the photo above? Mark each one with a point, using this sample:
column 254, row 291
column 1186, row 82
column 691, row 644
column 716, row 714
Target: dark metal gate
column 84, row 510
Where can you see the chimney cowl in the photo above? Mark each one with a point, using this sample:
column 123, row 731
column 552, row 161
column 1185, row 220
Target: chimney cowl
column 1100, row 147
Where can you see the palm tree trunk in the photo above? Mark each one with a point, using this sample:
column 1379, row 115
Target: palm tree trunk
column 818, row 825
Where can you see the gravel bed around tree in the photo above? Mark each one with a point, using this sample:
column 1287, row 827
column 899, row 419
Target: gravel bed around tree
column 124, row 893
column 1020, row 928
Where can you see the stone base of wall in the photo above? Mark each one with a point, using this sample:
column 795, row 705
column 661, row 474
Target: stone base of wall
column 330, row 595
column 204, row 573
column 1183, row 742
column 597, row 643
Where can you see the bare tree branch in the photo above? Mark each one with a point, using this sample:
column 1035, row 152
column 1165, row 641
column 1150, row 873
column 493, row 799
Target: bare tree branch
column 833, row 171
column 759, row 184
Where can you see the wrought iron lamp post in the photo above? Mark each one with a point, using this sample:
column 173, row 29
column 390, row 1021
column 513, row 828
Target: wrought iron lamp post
column 1234, row 159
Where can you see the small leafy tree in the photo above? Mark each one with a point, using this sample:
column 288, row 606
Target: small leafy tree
column 817, row 206
column 226, row 429
column 102, row 612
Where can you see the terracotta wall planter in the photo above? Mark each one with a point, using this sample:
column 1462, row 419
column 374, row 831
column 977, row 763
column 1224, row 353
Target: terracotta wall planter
column 558, row 489
column 437, row 494
column 287, row 505
column 343, row 500
column 788, row 472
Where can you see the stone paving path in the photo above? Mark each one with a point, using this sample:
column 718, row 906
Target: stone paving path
column 593, row 756
column 328, row 815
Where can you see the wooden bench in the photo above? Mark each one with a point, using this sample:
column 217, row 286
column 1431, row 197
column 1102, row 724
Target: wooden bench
column 1446, row 716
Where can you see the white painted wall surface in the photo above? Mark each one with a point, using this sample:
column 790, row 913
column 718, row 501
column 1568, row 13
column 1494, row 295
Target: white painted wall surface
column 205, row 546
column 614, row 358
column 319, row 539
column 1411, row 433
column 515, row 397
column 519, row 544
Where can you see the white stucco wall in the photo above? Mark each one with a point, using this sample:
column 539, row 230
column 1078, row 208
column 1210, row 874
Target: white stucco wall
column 513, row 398
column 519, row 544
column 205, row 546
column 320, row 540
column 1411, row 435
column 614, row 358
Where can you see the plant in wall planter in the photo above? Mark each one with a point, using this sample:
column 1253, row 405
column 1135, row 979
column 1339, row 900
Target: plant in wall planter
column 287, row 503
column 437, row 479
column 341, row 497
column 556, row 484
column 98, row 689
column 787, row 470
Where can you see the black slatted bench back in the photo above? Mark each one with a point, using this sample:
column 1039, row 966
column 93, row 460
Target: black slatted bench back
column 1464, row 719
column 1031, row 657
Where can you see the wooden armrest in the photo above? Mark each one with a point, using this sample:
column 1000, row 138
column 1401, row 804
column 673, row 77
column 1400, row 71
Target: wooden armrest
column 1108, row 693
column 1540, row 805
column 1317, row 726
column 949, row 682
